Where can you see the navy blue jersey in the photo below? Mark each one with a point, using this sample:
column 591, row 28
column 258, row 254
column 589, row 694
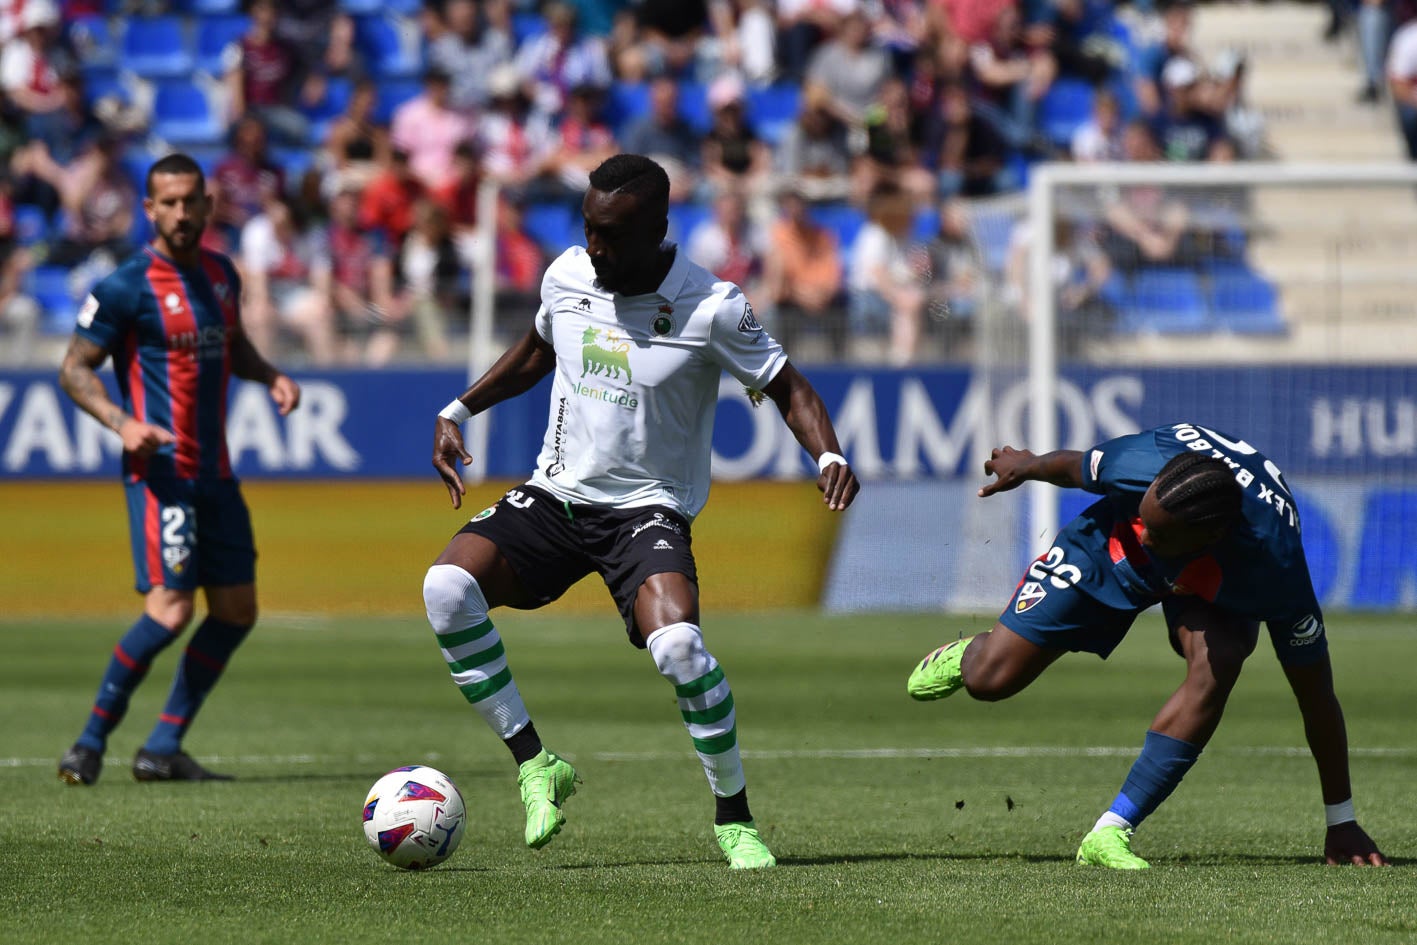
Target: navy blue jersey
column 1257, row 572
column 170, row 332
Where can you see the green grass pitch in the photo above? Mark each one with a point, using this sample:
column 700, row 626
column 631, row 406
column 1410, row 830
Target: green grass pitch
column 893, row 821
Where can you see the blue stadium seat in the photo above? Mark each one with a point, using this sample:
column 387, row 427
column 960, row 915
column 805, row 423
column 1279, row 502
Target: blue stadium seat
column 525, row 26
column 93, row 42
column 49, row 287
column 362, row 7
column 393, row 93
column 104, row 83
column 393, row 45
column 842, row 219
column 926, row 224
column 182, row 115
column 1244, row 302
column 625, row 102
column 328, row 108
column 694, row 106
column 214, row 34
column 31, row 225
column 208, row 7
column 552, row 224
column 156, row 47
column 684, row 217
column 294, row 162
column 1165, row 300
column 1064, row 107
column 773, row 109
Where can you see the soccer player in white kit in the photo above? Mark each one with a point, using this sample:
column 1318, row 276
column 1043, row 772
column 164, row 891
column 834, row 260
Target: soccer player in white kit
column 638, row 337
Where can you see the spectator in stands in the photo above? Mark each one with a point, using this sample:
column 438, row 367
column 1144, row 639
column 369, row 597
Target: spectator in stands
column 814, row 151
column 1078, row 35
column 1402, row 83
column 520, row 261
column 1100, row 137
column 669, row 35
column 745, row 40
column 516, row 143
column 362, row 278
column 1011, row 75
column 19, row 314
column 1186, row 127
column 966, row 152
column 357, row 145
column 971, row 20
column 436, row 280
column 1153, row 59
column 733, row 155
column 468, row 51
column 387, row 202
column 953, row 282
column 666, row 137
column 559, row 60
column 1243, row 123
column 582, row 142
column 66, row 130
column 884, row 290
column 802, row 26
column 265, row 78
column 802, row 275
column 29, row 74
column 428, row 129
column 890, row 152
column 247, row 178
column 850, row 68
column 1374, row 31
column 728, row 244
column 1142, row 225
column 459, row 196
column 99, row 204
column 310, row 27
column 286, row 276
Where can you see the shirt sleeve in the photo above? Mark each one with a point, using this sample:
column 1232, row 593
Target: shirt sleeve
column 741, row 345
column 1126, row 464
column 548, row 297
column 106, row 315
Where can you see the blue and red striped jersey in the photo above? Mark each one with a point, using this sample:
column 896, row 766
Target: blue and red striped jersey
column 170, row 331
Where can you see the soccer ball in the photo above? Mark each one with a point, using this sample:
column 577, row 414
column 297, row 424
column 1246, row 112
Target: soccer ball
column 414, row 817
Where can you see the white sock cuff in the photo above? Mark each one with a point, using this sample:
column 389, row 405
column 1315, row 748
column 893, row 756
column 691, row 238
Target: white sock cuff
column 448, row 589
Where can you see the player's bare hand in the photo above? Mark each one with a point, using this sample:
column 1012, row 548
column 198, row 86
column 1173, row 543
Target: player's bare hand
column 838, row 486
column 142, row 439
column 1350, row 843
column 286, row 394
column 448, row 448
column 1009, row 466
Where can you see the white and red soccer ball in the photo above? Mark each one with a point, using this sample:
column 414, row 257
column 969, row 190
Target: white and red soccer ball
column 414, row 817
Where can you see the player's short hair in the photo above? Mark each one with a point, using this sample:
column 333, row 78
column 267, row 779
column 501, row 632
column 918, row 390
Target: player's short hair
column 176, row 163
column 1201, row 491
column 633, row 174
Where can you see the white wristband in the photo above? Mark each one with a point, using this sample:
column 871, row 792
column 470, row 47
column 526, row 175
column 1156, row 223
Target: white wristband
column 457, row 412
column 826, row 459
column 1340, row 813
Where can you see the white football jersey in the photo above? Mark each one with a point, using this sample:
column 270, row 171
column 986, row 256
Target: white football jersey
column 636, row 382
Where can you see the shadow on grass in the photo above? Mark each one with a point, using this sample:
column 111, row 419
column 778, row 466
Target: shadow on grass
column 318, row 776
column 1219, row 860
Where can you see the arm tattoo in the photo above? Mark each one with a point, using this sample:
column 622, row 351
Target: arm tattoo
column 79, row 378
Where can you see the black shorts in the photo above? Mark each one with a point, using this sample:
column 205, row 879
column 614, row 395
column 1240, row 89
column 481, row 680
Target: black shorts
column 552, row 544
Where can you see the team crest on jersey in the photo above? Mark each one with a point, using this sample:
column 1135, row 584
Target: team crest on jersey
column 605, row 353
column 1028, row 595
column 662, row 324
column 485, row 513
column 749, row 322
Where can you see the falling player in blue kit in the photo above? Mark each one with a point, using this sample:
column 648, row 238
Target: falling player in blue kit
column 1206, row 526
column 170, row 316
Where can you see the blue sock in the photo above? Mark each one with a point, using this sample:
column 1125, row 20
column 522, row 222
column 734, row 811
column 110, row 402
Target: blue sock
column 1162, row 764
column 202, row 662
column 131, row 658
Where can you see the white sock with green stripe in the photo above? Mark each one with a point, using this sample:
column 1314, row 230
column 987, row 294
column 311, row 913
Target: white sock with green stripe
column 705, row 702
column 472, row 648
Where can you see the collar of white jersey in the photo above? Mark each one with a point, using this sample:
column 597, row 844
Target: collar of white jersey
column 678, row 272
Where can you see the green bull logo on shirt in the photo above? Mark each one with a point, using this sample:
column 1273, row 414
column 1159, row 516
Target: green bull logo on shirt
column 611, row 357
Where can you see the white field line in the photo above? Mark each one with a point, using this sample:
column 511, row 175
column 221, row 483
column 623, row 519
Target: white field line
column 979, row 751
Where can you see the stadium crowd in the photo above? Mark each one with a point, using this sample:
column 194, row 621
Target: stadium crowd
column 825, row 155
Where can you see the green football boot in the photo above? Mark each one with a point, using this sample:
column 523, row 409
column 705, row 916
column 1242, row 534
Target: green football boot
column 743, row 846
column 940, row 673
column 1110, row 847
column 545, row 781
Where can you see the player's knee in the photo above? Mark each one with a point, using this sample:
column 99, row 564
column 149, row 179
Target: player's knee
column 173, row 613
column 240, row 614
column 678, row 651
column 449, row 590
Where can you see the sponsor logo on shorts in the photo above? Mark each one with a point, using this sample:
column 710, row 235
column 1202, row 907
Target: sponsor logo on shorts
column 1031, row 593
column 1306, row 630
column 659, row 521
column 663, row 545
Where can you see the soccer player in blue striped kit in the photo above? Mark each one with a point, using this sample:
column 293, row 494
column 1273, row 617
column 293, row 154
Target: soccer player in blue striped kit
column 170, row 316
column 1206, row 526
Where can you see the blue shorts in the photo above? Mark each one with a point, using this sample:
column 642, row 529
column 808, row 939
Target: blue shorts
column 187, row 534
column 1064, row 618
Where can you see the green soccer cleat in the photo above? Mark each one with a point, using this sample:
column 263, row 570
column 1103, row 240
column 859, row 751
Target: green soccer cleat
column 743, row 846
column 545, row 781
column 1110, row 847
column 939, row 674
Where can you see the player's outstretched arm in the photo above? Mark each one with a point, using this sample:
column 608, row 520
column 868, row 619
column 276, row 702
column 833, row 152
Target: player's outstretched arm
column 1345, row 841
column 247, row 364
column 1015, row 467
column 515, row 372
column 78, row 375
column 806, row 416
